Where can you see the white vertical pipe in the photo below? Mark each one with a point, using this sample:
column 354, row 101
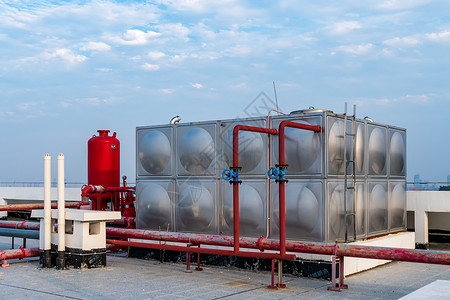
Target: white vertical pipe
column 47, row 202
column 61, row 204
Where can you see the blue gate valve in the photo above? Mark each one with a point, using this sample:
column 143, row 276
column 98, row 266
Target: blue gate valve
column 231, row 175
column 277, row 173
column 273, row 173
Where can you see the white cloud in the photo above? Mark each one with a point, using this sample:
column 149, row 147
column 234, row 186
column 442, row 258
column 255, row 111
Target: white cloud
column 438, row 37
column 26, row 105
column 66, row 55
column 134, row 37
column 90, row 101
column 356, row 49
column 400, row 4
column 150, row 67
column 96, row 46
column 340, row 28
column 174, row 30
column 166, row 91
column 197, row 85
column 156, row 55
column 402, row 42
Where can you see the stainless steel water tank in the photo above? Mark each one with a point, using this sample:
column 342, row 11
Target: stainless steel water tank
column 180, row 188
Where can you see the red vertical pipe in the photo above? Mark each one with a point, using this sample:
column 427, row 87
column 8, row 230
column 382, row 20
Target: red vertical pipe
column 281, row 160
column 236, row 130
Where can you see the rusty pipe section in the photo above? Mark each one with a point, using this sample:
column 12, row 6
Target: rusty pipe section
column 19, row 207
column 19, row 253
column 398, row 254
column 349, row 250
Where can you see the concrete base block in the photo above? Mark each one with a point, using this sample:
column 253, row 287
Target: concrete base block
column 45, row 259
column 82, row 259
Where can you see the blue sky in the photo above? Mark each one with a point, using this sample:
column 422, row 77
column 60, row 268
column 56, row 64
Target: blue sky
column 68, row 68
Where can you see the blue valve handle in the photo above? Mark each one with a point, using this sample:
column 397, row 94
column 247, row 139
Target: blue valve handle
column 227, row 174
column 273, row 173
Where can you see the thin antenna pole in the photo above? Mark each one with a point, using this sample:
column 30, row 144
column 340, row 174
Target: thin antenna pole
column 275, row 92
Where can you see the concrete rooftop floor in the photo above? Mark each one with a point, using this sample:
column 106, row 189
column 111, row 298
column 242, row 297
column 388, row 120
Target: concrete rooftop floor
column 128, row 278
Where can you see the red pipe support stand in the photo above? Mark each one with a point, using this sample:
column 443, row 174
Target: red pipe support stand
column 272, row 285
column 236, row 130
column 337, row 283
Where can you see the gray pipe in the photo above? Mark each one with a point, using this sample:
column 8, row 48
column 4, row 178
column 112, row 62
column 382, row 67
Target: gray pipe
column 20, row 233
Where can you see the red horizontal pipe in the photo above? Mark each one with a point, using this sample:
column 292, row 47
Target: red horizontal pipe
column 203, row 250
column 19, row 253
column 281, row 183
column 17, row 207
column 120, row 188
column 90, row 189
column 398, row 254
column 236, row 130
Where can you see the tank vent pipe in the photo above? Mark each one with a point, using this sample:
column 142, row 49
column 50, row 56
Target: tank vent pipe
column 175, row 120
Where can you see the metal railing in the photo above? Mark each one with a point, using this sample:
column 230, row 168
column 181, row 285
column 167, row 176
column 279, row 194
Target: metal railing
column 428, row 186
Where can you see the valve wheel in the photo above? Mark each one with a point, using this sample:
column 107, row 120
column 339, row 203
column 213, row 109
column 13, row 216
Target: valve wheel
column 227, row 174
column 273, row 173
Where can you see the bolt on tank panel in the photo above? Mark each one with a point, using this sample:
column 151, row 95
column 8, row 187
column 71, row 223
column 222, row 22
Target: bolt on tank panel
column 397, row 205
column 304, row 210
column 397, row 152
column 377, row 207
column 303, row 148
column 253, row 148
column 154, row 151
column 196, row 153
column 155, row 205
column 196, row 206
column 377, row 150
column 252, row 208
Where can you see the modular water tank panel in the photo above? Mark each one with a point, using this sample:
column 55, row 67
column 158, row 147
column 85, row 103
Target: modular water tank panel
column 196, row 206
column 377, row 207
column 360, row 148
column 360, row 209
column 252, row 208
column 397, row 205
column 155, row 205
column 303, row 148
column 196, row 152
column 304, row 210
column 155, row 151
column 377, row 150
column 397, row 152
column 253, row 154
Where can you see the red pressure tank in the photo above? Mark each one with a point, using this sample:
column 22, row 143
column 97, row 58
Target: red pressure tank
column 104, row 159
